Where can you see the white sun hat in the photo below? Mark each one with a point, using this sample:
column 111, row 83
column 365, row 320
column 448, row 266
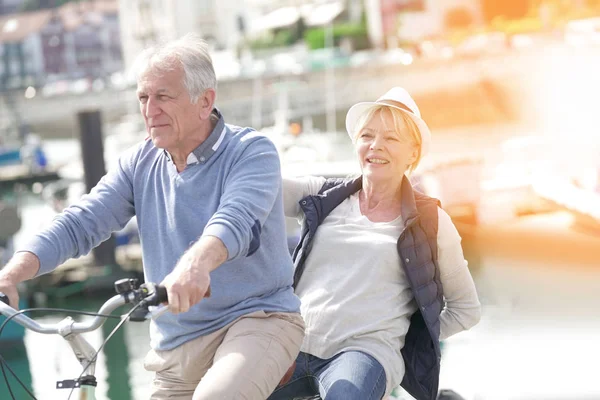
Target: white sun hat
column 401, row 101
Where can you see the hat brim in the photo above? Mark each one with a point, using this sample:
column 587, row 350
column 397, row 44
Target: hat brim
column 358, row 109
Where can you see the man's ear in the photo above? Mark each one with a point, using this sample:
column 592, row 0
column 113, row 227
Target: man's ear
column 206, row 103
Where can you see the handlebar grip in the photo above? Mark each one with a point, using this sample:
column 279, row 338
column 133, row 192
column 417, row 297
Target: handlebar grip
column 4, row 298
column 161, row 294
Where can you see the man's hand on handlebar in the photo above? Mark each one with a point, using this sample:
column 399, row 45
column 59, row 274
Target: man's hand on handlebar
column 186, row 286
column 21, row 267
column 10, row 291
column 189, row 282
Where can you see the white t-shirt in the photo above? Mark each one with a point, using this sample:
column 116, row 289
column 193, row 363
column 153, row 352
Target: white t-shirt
column 354, row 294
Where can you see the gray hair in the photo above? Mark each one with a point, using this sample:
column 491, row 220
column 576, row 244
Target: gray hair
column 191, row 53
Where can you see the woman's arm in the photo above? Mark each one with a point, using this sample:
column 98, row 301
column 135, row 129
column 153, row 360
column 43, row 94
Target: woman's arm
column 296, row 188
column 463, row 309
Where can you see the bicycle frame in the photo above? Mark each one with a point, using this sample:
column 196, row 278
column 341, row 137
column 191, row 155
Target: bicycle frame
column 70, row 330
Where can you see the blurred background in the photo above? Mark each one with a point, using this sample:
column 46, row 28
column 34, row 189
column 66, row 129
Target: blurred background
column 509, row 89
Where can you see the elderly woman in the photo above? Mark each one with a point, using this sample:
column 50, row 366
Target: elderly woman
column 379, row 268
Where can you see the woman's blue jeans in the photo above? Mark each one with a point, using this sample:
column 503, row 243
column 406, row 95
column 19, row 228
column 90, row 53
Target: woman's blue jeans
column 351, row 375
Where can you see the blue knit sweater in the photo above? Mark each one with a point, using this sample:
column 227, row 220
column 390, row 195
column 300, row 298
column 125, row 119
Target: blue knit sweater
column 233, row 192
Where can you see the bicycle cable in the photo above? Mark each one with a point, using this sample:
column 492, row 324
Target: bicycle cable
column 110, row 335
column 3, row 361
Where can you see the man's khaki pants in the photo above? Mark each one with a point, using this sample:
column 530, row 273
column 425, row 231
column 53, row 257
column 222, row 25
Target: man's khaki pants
column 244, row 360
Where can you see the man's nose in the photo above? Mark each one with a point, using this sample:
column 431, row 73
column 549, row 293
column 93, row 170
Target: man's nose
column 152, row 108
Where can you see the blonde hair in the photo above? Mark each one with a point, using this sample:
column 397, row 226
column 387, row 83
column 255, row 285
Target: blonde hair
column 400, row 120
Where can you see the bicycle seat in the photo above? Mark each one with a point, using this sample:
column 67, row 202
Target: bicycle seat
column 288, row 375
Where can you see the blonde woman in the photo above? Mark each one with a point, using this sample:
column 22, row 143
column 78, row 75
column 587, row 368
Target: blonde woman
column 379, row 268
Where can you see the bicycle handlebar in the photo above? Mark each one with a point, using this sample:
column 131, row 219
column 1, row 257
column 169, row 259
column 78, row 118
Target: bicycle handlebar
column 148, row 294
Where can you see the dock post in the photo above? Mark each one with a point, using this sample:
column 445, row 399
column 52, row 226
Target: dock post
column 92, row 156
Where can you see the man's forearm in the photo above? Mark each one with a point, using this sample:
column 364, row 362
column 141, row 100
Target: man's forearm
column 210, row 252
column 23, row 265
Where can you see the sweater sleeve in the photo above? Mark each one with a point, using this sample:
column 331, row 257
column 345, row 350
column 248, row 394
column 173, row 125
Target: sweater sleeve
column 462, row 309
column 252, row 187
column 84, row 225
column 296, row 188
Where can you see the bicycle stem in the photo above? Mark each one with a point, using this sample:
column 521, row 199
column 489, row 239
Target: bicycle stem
column 83, row 350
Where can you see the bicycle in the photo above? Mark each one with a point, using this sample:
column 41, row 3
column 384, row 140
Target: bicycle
column 147, row 302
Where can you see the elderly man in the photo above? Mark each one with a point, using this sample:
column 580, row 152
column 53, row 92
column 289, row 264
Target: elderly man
column 208, row 201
